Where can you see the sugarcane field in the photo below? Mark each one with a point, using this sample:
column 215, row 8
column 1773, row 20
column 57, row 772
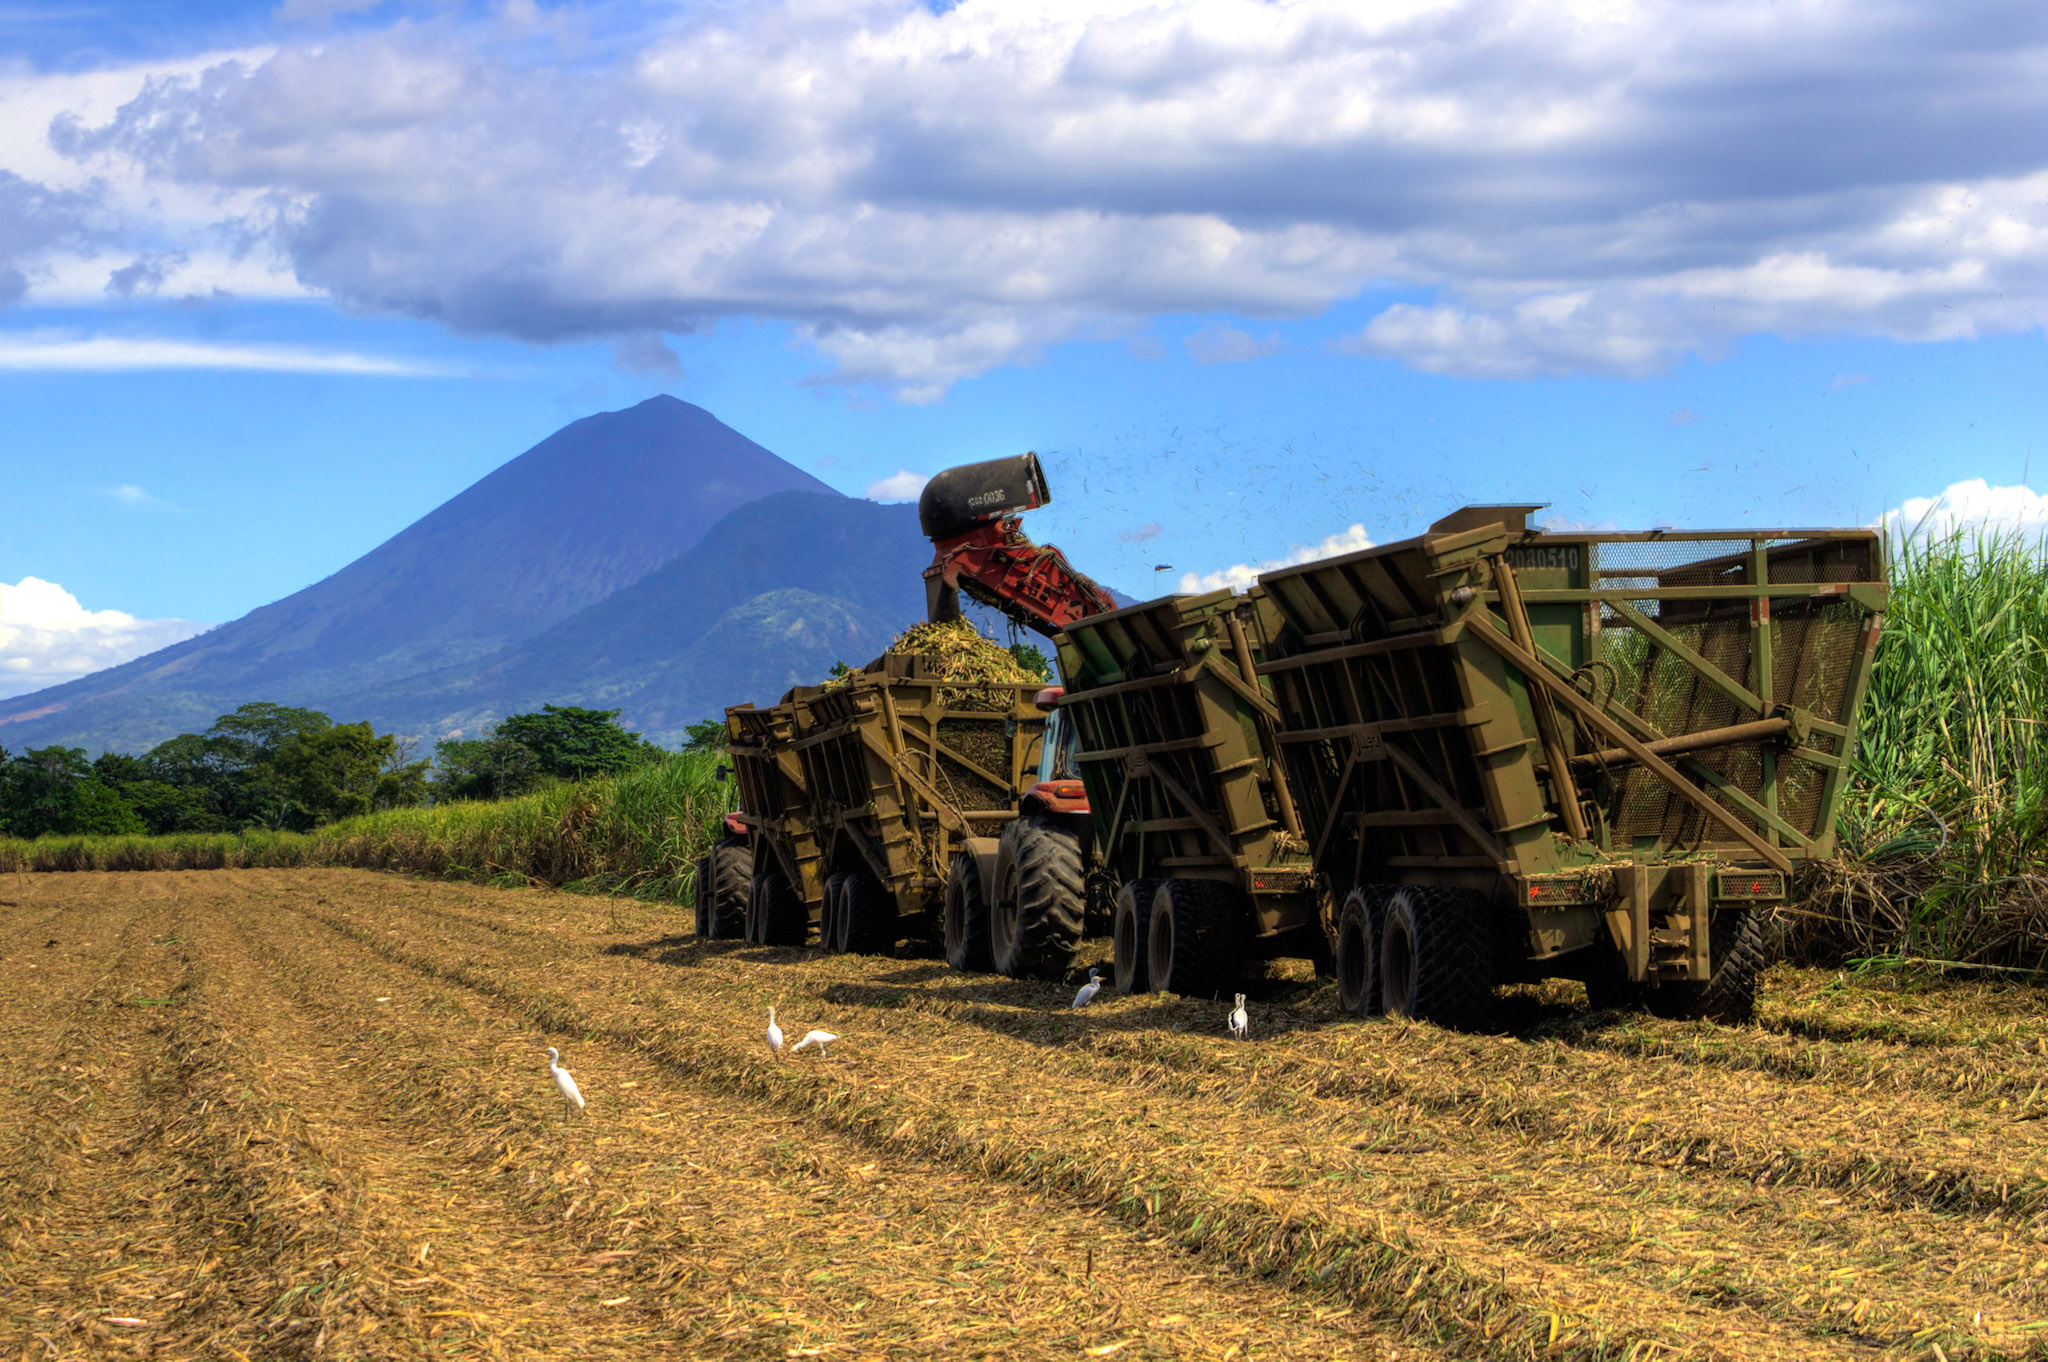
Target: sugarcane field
column 1023, row 681
column 307, row 1113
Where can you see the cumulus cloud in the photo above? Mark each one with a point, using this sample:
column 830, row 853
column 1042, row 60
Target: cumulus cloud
column 924, row 196
column 35, row 219
column 47, row 637
column 1240, row 576
column 109, row 354
column 646, row 353
column 902, row 485
column 1220, row 344
column 1141, row 534
column 1969, row 508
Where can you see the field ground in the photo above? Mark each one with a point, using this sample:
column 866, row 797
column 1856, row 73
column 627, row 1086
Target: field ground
column 277, row 1114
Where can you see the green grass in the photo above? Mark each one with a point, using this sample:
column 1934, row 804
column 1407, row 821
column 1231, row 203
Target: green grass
column 1944, row 832
column 638, row 833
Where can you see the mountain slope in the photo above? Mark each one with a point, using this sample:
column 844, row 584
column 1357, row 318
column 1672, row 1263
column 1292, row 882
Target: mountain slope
column 773, row 594
column 590, row 510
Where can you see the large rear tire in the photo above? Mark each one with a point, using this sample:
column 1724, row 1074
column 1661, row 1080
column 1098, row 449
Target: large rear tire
column 730, row 874
column 1358, row 953
column 1195, row 942
column 1036, row 916
column 1436, row 960
column 1735, row 944
column 967, row 926
column 867, row 915
column 1131, row 932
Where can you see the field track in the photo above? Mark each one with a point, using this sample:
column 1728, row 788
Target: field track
column 280, row 1114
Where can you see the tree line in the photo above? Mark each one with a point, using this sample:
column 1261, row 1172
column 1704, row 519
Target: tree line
column 279, row 767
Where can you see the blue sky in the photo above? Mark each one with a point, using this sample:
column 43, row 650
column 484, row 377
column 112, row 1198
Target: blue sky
column 1256, row 279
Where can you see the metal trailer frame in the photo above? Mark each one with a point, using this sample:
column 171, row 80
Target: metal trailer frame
column 774, row 793
column 1175, row 735
column 884, row 770
column 1613, row 736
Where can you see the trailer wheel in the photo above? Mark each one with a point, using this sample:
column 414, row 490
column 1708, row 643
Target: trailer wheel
column 785, row 917
column 967, row 924
column 1132, row 934
column 772, row 905
column 702, row 895
column 1358, row 942
column 1436, row 956
column 1035, row 917
column 828, row 917
column 729, row 871
column 1195, row 942
column 1735, row 940
column 867, row 915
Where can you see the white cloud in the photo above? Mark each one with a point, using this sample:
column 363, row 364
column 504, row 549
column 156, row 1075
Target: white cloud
column 902, row 485
column 1240, row 576
column 109, row 354
column 47, row 637
column 129, row 494
column 1219, row 344
column 1969, row 508
column 1558, row 188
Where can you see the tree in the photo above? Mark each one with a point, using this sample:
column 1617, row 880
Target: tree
column 572, row 743
column 1032, row 661
column 49, row 790
column 489, row 767
column 340, row 771
column 707, row 736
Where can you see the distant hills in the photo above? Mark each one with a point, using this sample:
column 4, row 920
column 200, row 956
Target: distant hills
column 652, row 560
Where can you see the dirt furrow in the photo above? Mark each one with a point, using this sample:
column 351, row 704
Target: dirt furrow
column 91, row 1259
column 759, row 1230
column 1837, row 1316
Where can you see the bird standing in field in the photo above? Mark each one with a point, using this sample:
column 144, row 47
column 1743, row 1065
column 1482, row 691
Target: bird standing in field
column 1240, row 1022
column 1088, row 990
column 774, row 1033
column 563, row 1083
column 821, row 1039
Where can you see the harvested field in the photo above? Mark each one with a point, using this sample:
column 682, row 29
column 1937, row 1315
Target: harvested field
column 293, row 1113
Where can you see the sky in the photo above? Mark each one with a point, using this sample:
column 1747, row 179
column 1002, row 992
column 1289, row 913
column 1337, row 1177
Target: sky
column 1259, row 281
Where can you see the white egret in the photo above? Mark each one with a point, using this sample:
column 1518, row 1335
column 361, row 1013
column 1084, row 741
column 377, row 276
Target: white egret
column 821, row 1039
column 563, row 1083
column 1240, row 1023
column 774, row 1033
column 1088, row 991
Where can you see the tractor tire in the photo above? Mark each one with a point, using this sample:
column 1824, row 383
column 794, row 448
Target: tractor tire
column 702, row 895
column 1131, row 936
column 867, row 915
column 1195, row 941
column 967, row 945
column 1358, row 952
column 829, row 937
column 1040, row 903
column 1735, row 943
column 729, row 870
column 1436, row 960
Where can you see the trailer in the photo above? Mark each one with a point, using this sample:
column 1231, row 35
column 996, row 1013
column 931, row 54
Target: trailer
column 1193, row 822
column 903, row 769
column 765, row 878
column 1519, row 754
